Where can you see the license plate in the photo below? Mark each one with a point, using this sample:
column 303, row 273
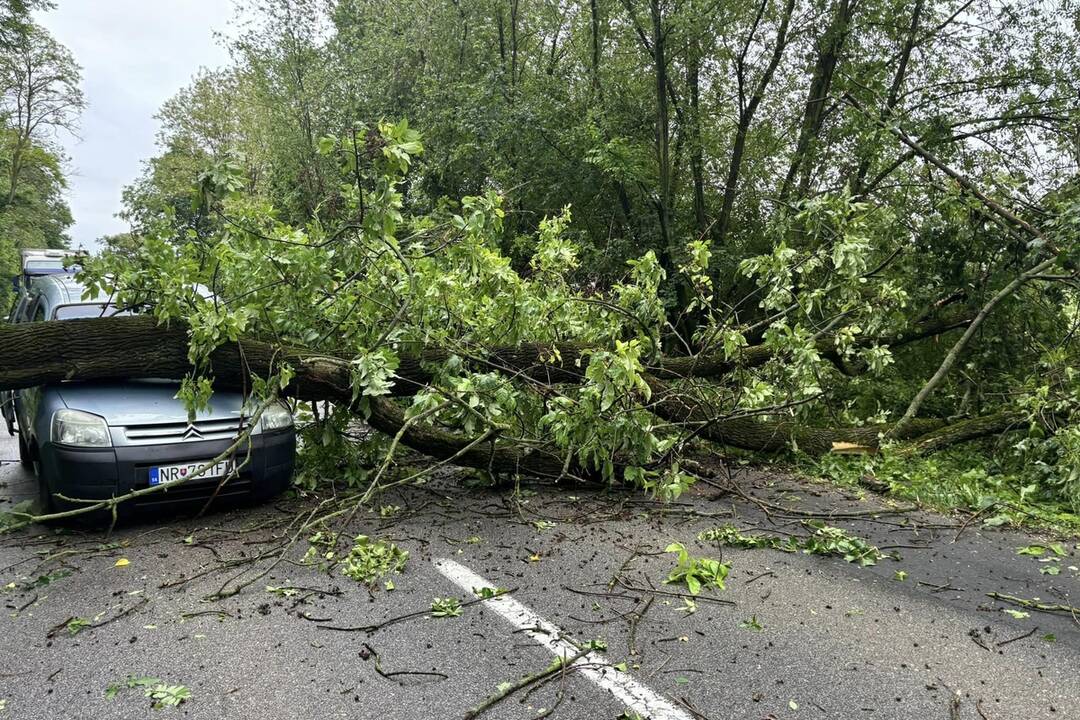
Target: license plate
column 164, row 474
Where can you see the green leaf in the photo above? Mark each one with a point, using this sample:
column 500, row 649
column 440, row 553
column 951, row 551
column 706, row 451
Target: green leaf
column 752, row 624
column 445, row 607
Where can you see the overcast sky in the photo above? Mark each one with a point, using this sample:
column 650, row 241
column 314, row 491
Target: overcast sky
column 135, row 54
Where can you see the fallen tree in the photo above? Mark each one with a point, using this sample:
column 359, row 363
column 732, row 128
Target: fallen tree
column 440, row 343
column 119, row 348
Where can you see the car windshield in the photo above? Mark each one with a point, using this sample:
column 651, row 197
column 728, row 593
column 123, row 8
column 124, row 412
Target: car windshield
column 48, row 266
column 88, row 310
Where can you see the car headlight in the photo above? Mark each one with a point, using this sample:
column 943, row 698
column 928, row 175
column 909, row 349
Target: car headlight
column 275, row 417
column 81, row 429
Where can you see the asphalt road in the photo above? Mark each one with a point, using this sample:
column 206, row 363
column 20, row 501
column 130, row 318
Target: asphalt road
column 804, row 636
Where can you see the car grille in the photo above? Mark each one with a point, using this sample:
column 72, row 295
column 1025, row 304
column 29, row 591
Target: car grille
column 167, row 433
column 196, row 491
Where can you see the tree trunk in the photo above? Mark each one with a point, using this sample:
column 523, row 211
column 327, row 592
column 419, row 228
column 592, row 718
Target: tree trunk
column 746, row 117
column 697, row 161
column 859, row 184
column 830, row 45
column 131, row 347
column 117, row 348
column 663, row 135
column 594, row 38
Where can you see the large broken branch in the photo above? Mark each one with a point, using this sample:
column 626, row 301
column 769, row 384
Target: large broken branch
column 127, row 347
column 116, row 348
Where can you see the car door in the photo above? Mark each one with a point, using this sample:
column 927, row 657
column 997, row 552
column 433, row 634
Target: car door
column 7, row 397
column 27, row 400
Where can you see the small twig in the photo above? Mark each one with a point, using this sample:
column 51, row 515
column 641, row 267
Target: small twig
column 1029, row 633
column 974, row 635
column 122, row 614
column 200, row 613
column 767, row 573
column 391, row 675
column 971, row 518
column 634, row 620
column 556, row 666
column 633, row 588
column 1074, row 612
column 408, row 616
column 939, row 588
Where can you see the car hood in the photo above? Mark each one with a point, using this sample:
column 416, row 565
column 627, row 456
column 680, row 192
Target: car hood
column 142, row 402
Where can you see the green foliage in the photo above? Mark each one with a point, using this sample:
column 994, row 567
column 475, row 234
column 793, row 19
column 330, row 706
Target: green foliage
column 76, row 625
column 445, row 607
column 823, row 540
column 730, row 536
column 1005, row 487
column 827, row 540
column 486, row 593
column 752, row 624
column 695, row 572
column 39, row 98
column 162, row 694
column 369, row 561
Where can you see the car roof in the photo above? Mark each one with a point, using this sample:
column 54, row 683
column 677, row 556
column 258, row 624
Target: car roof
column 63, row 290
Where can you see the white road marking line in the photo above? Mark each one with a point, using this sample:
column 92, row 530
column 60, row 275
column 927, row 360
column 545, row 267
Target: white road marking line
column 631, row 693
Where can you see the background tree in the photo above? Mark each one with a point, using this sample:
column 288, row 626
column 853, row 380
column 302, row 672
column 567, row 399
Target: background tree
column 39, row 97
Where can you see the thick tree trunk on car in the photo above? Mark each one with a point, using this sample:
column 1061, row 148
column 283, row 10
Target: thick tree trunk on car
column 124, row 347
column 119, row 348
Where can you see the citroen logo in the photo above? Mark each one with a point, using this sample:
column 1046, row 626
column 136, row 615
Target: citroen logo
column 192, row 433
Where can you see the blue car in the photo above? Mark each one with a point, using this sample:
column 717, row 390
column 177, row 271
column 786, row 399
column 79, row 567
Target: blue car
column 96, row 440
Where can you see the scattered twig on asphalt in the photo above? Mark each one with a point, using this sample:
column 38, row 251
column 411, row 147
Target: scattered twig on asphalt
column 1029, row 633
column 971, row 518
column 767, row 573
column 200, row 613
column 939, row 588
column 507, row 689
column 371, row 652
column 766, row 506
column 1073, row 612
column 607, row 595
column 634, row 588
column 973, row 633
column 636, row 618
column 408, row 616
column 626, row 563
column 685, row 702
column 55, row 630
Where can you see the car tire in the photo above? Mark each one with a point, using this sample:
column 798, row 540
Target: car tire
column 46, row 504
column 26, row 459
